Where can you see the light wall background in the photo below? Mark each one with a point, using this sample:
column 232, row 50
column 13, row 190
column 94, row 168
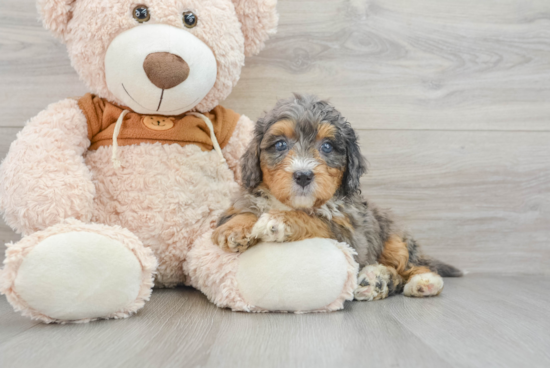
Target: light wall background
column 451, row 100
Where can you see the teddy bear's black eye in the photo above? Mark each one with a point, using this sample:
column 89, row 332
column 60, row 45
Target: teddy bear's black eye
column 189, row 19
column 141, row 13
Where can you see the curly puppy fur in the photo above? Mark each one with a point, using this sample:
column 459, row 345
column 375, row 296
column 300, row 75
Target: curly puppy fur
column 301, row 179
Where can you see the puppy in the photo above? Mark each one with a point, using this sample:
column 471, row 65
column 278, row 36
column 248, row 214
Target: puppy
column 301, row 180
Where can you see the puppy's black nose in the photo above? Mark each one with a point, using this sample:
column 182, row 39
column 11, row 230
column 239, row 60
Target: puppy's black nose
column 302, row 178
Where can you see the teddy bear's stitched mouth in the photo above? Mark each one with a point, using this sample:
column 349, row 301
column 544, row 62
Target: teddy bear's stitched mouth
column 129, row 95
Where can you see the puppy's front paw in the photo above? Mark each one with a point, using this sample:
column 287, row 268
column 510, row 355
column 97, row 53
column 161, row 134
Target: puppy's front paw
column 270, row 228
column 232, row 238
column 424, row 284
column 372, row 283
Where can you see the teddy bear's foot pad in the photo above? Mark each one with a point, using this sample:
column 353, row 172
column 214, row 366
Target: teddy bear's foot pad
column 302, row 276
column 78, row 276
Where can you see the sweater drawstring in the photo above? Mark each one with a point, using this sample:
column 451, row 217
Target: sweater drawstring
column 212, row 135
column 118, row 125
column 114, row 158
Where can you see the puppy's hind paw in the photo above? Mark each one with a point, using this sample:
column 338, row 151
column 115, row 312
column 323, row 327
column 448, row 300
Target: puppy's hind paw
column 269, row 228
column 423, row 285
column 372, row 283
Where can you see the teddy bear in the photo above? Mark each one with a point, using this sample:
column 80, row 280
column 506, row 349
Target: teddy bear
column 117, row 191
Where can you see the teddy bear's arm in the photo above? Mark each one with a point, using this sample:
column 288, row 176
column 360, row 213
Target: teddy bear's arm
column 237, row 145
column 44, row 178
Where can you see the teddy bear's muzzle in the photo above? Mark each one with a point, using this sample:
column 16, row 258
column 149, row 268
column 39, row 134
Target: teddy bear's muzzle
column 165, row 70
column 168, row 74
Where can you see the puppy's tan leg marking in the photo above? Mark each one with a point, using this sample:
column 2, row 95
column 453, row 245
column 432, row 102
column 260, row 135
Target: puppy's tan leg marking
column 421, row 281
column 395, row 254
column 375, row 282
column 284, row 226
column 234, row 235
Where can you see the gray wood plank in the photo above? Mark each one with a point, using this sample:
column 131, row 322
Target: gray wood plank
column 362, row 332
column 479, row 65
column 483, row 324
column 34, row 67
column 471, row 324
column 11, row 323
column 478, row 200
column 410, row 65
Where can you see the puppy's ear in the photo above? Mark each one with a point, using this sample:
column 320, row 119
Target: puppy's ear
column 356, row 163
column 55, row 15
column 250, row 162
column 259, row 21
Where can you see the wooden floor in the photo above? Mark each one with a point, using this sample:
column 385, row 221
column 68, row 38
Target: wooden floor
column 451, row 100
column 478, row 321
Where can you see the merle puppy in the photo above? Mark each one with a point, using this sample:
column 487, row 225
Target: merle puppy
column 301, row 180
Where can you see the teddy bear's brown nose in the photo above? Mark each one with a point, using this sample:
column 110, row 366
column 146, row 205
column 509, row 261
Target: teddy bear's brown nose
column 165, row 70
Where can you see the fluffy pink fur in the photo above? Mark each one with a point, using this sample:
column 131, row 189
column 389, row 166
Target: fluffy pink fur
column 44, row 178
column 230, row 32
column 166, row 195
column 259, row 21
column 213, row 271
column 17, row 252
column 55, row 15
column 163, row 194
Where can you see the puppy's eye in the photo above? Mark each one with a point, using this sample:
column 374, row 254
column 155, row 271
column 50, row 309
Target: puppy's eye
column 189, row 19
column 326, row 147
column 280, row 146
column 141, row 13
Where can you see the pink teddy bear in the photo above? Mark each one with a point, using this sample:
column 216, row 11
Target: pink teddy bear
column 119, row 189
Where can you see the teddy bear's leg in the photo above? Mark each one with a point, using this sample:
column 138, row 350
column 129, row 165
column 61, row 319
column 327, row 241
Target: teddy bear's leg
column 77, row 272
column 313, row 275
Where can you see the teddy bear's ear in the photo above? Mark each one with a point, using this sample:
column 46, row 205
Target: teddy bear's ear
column 259, row 21
column 55, row 15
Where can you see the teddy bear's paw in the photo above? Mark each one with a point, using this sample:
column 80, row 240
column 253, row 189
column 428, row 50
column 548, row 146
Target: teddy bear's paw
column 372, row 283
column 92, row 272
column 270, row 228
column 423, row 285
column 233, row 238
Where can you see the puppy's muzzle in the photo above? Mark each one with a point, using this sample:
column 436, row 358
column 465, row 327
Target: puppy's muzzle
column 303, row 178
